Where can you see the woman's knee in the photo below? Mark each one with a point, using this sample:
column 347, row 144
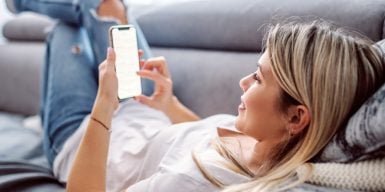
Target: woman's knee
column 65, row 10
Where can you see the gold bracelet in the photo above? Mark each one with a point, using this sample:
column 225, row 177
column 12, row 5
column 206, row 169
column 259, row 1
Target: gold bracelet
column 108, row 129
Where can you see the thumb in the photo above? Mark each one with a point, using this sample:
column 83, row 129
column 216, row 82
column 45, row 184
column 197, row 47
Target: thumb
column 110, row 56
column 145, row 100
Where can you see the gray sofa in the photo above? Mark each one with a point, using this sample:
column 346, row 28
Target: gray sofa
column 209, row 46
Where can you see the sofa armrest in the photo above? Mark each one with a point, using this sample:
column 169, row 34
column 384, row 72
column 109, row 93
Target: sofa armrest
column 28, row 26
column 20, row 69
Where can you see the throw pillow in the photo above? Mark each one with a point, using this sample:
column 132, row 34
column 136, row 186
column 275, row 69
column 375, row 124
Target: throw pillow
column 364, row 136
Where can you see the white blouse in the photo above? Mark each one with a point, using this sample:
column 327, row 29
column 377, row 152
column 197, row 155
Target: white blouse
column 147, row 153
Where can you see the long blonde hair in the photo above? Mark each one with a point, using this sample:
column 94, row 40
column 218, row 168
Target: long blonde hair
column 330, row 72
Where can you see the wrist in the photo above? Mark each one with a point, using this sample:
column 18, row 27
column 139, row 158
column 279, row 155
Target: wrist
column 179, row 113
column 103, row 107
column 173, row 106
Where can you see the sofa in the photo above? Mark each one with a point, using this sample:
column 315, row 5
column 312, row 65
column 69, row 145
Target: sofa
column 209, row 46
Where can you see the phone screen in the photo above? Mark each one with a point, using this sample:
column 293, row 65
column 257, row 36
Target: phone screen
column 124, row 42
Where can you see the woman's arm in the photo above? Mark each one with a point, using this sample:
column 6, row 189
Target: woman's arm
column 179, row 113
column 88, row 172
column 163, row 98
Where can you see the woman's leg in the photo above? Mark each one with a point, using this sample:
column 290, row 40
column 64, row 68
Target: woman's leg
column 85, row 13
column 98, row 28
column 70, row 77
column 69, row 11
column 69, row 85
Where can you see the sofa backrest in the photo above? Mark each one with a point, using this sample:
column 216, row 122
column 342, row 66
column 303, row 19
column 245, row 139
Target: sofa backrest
column 239, row 24
column 211, row 44
column 222, row 26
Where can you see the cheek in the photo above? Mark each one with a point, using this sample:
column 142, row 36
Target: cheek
column 261, row 119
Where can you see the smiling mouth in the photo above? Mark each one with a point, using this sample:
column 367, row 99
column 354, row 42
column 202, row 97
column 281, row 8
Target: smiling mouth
column 242, row 105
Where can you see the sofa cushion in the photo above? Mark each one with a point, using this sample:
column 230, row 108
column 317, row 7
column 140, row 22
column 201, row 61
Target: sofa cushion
column 239, row 25
column 364, row 135
column 23, row 165
column 27, row 27
column 27, row 146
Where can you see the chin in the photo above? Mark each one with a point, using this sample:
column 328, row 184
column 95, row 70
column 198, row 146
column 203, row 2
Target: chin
column 238, row 124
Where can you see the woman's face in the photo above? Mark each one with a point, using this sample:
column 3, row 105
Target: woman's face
column 259, row 115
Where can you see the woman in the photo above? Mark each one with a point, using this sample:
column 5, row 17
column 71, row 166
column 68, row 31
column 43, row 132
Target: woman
column 293, row 103
column 291, row 107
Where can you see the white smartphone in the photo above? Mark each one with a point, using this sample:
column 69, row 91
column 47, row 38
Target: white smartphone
column 124, row 41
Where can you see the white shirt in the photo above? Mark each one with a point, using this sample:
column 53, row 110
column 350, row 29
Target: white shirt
column 147, row 153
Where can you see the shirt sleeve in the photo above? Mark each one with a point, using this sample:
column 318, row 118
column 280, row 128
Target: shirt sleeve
column 170, row 181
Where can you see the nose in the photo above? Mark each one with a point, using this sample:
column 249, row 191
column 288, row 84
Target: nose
column 244, row 83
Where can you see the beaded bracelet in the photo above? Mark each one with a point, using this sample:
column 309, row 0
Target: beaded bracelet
column 102, row 124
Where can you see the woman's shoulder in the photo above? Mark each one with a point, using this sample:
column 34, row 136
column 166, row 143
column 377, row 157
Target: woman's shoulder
column 184, row 166
column 196, row 140
column 189, row 136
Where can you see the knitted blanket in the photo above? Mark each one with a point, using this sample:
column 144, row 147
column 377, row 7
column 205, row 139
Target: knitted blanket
column 366, row 175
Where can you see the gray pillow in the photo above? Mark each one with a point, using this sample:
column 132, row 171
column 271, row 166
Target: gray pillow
column 364, row 136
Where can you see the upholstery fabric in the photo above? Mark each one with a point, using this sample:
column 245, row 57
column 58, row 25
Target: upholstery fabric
column 27, row 146
column 27, row 27
column 240, row 25
column 21, row 65
column 23, row 166
column 26, row 176
column 208, row 90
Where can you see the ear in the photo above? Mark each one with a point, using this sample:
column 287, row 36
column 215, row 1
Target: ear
column 298, row 118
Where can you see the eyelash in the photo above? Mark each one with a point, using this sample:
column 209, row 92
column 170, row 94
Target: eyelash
column 256, row 77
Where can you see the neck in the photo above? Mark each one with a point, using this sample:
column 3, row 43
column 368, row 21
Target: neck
column 259, row 155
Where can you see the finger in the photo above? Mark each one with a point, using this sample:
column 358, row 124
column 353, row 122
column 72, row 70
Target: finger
column 141, row 63
column 155, row 76
column 159, row 63
column 110, row 57
column 147, row 67
column 140, row 53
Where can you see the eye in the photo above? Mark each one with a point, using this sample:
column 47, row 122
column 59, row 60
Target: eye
column 256, row 77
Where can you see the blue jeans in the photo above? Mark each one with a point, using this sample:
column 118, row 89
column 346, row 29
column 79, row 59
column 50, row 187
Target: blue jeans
column 75, row 48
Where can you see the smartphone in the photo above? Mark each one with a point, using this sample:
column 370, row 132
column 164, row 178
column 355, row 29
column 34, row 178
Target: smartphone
column 124, row 41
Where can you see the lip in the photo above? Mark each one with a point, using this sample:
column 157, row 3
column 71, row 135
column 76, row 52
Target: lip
column 241, row 106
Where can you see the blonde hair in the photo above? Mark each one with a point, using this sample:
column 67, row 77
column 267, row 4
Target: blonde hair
column 330, row 72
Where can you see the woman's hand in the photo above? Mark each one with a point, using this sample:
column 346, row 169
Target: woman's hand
column 107, row 96
column 163, row 98
column 156, row 69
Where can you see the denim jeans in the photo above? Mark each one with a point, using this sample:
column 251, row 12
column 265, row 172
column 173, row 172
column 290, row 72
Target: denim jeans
column 75, row 48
